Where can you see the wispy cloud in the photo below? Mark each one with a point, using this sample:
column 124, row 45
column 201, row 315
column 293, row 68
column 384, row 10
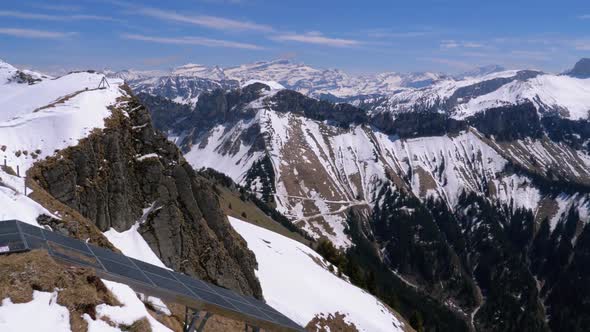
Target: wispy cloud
column 61, row 8
column 584, row 17
column 48, row 17
column 30, row 33
column 407, row 34
column 388, row 33
column 201, row 41
column 450, row 44
column 317, row 38
column 212, row 22
column 233, row 2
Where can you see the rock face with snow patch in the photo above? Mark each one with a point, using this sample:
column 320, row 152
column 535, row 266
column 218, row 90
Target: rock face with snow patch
column 128, row 173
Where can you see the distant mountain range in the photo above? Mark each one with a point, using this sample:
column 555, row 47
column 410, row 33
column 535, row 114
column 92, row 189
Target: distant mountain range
column 295, row 76
column 457, row 95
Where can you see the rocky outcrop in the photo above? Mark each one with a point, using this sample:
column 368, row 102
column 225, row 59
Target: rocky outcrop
column 418, row 124
column 130, row 173
column 509, row 123
column 581, row 69
column 294, row 102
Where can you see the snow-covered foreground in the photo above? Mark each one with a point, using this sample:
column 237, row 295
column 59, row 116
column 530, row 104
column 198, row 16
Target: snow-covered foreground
column 42, row 314
column 295, row 282
column 132, row 310
column 49, row 316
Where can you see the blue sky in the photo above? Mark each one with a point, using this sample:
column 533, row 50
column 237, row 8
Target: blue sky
column 357, row 36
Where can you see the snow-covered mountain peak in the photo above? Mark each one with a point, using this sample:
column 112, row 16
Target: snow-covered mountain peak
column 6, row 71
column 132, row 74
column 51, row 114
column 201, row 71
column 10, row 74
column 271, row 84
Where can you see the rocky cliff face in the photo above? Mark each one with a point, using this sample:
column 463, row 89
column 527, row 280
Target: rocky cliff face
column 129, row 173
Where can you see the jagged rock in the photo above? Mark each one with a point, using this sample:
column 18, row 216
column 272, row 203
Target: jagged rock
column 114, row 174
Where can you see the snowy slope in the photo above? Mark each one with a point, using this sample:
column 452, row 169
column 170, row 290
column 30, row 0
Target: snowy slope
column 49, row 316
column 233, row 164
column 321, row 170
column 36, row 120
column 14, row 204
column 295, row 280
column 132, row 309
column 565, row 95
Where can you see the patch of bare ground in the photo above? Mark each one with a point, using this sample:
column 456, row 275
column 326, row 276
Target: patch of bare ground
column 8, row 170
column 140, row 325
column 318, row 222
column 215, row 323
column 233, row 206
column 426, row 181
column 61, row 100
column 330, row 323
column 548, row 208
column 79, row 289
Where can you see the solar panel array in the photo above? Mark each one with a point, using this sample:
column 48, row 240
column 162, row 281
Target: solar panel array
column 16, row 236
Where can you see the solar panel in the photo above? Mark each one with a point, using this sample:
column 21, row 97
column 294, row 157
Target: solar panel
column 73, row 255
column 196, row 283
column 66, row 241
column 125, row 270
column 34, row 242
column 31, row 230
column 251, row 310
column 103, row 253
column 11, row 242
column 8, row 227
column 168, row 284
column 16, row 236
column 152, row 269
column 213, row 297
